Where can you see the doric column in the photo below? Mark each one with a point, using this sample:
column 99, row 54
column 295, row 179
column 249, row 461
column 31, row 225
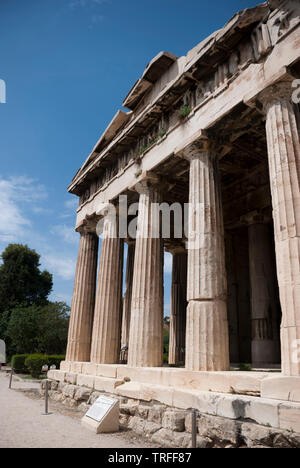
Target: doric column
column 128, row 294
column 146, row 327
column 265, row 333
column 178, row 305
column 284, row 165
column 207, row 344
column 83, row 303
column 107, row 319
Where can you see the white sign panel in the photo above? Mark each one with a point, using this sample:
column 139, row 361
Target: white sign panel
column 2, row 352
column 100, row 408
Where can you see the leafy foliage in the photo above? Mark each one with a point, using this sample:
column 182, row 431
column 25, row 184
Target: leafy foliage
column 29, row 323
column 185, row 111
column 42, row 329
column 21, row 280
column 18, row 363
column 34, row 364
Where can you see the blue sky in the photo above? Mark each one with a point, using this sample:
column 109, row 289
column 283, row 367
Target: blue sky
column 68, row 64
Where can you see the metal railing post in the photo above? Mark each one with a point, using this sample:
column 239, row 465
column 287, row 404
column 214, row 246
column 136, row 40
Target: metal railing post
column 10, row 378
column 194, row 429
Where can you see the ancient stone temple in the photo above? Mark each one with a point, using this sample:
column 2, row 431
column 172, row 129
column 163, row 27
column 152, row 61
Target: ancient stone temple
column 213, row 135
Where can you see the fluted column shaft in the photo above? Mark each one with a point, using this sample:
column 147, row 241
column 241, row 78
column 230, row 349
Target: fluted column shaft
column 107, row 320
column 178, row 308
column 207, row 342
column 146, row 327
column 83, row 303
column 128, row 295
column 265, row 334
column 284, row 165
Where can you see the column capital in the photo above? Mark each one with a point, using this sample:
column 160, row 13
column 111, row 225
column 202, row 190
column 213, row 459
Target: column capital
column 282, row 90
column 197, row 148
column 130, row 241
column 87, row 227
column 255, row 217
column 105, row 208
column 175, row 248
column 146, row 183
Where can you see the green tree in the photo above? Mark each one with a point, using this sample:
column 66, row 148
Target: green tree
column 53, row 328
column 21, row 280
column 39, row 329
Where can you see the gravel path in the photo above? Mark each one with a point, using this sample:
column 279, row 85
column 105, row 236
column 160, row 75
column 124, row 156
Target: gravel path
column 23, row 425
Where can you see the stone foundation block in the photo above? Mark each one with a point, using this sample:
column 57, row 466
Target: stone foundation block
column 280, row 441
column 103, row 384
column 86, row 380
column 254, row 435
column 156, row 413
column 146, row 393
column 105, row 370
column 289, row 417
column 70, row 403
column 129, row 408
column 124, row 418
column 281, row 388
column 65, row 366
column 151, row 428
column 61, row 386
column 89, row 368
column 263, row 412
column 143, row 411
column 137, row 425
column 203, row 443
column 76, row 367
column 222, row 431
column 69, row 391
column 83, row 407
column 82, row 394
column 56, row 396
column 71, row 378
column 173, row 420
column 56, row 375
column 142, row 427
column 168, row 438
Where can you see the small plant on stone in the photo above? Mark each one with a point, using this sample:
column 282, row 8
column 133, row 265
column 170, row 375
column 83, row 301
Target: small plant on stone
column 245, row 368
column 162, row 133
column 138, row 173
column 185, row 111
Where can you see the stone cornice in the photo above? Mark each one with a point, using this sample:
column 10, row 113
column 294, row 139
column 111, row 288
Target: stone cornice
column 188, row 73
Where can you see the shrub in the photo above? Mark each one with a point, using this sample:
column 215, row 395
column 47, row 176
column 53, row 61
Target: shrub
column 34, row 364
column 55, row 360
column 18, row 363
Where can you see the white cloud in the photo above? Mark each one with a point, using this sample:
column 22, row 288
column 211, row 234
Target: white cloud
column 17, row 192
column 67, row 233
column 84, row 3
column 167, row 308
column 71, row 204
column 62, row 267
column 168, row 263
column 62, row 298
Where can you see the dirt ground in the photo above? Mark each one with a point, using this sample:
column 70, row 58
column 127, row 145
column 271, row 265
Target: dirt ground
column 24, row 426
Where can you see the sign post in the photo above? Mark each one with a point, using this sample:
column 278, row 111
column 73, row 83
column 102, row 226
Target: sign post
column 103, row 416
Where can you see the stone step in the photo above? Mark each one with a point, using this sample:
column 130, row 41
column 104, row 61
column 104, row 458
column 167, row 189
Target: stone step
column 271, row 413
column 101, row 384
column 244, row 383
